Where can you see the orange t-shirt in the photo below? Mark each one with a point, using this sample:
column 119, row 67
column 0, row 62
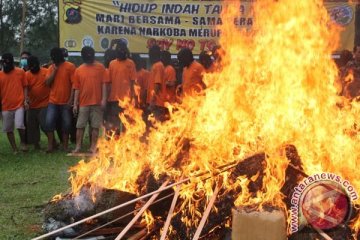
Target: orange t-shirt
column 170, row 76
column 88, row 79
column 157, row 75
column 60, row 90
column 121, row 73
column 142, row 81
column 192, row 78
column 38, row 91
column 12, row 89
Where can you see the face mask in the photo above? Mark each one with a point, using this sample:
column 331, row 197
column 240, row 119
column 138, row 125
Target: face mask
column 57, row 59
column 35, row 69
column 66, row 59
column 8, row 68
column 23, row 63
column 121, row 55
column 88, row 59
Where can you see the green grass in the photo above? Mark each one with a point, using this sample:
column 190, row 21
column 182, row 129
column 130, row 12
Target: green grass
column 27, row 182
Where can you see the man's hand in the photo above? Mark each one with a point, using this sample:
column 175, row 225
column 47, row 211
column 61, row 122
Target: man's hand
column 26, row 105
column 103, row 104
column 75, row 110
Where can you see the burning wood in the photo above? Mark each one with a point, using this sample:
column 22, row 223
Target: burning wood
column 72, row 208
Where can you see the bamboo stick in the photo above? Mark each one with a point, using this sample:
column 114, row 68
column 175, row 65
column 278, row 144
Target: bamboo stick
column 223, row 168
column 138, row 215
column 323, row 234
column 139, row 235
column 170, row 214
column 110, row 210
column 206, row 213
column 119, row 218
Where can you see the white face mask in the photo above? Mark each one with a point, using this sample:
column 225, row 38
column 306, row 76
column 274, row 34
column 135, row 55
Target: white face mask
column 66, row 58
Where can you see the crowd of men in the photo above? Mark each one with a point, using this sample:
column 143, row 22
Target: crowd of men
column 65, row 99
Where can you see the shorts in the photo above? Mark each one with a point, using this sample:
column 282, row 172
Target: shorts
column 93, row 114
column 61, row 112
column 13, row 118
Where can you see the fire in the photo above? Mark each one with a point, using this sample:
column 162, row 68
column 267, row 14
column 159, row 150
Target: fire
column 276, row 87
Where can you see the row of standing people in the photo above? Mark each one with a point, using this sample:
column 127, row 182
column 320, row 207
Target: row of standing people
column 91, row 92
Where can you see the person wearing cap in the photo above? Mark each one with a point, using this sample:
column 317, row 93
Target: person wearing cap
column 206, row 61
column 14, row 101
column 90, row 97
column 170, row 77
column 122, row 77
column 38, row 93
column 59, row 80
column 193, row 71
column 156, row 96
column 142, row 78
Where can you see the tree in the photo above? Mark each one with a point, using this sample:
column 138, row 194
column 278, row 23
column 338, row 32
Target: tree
column 41, row 27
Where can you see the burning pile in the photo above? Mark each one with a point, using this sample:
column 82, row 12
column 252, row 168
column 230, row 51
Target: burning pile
column 275, row 87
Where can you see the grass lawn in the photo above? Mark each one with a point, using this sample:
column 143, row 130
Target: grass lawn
column 27, row 182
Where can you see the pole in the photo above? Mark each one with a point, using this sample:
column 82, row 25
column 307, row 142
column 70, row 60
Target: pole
column 24, row 8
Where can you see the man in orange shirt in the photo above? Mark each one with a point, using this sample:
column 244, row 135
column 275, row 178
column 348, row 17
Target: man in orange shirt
column 59, row 79
column 90, row 95
column 206, row 61
column 13, row 95
column 122, row 76
column 156, row 95
column 38, row 100
column 142, row 78
column 170, row 77
column 193, row 71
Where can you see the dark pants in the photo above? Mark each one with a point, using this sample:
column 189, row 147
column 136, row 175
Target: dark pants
column 111, row 118
column 55, row 112
column 161, row 113
column 35, row 119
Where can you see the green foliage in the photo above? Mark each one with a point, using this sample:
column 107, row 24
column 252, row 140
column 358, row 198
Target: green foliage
column 41, row 27
column 27, row 182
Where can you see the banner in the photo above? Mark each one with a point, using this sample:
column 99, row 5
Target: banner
column 171, row 24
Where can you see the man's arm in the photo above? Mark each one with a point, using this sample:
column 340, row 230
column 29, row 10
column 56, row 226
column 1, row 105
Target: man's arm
column 50, row 80
column 72, row 95
column 105, row 88
column 26, row 98
column 157, row 89
column 76, row 101
column 132, row 92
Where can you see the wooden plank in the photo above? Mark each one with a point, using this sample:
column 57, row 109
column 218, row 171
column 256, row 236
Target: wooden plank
column 142, row 210
column 170, row 214
column 206, row 213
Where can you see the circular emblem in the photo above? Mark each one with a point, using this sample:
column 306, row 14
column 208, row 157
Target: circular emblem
column 104, row 43
column 326, row 205
column 88, row 41
column 70, row 43
column 342, row 15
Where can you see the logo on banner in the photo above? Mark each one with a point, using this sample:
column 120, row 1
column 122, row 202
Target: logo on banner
column 88, row 41
column 72, row 11
column 342, row 15
column 70, row 43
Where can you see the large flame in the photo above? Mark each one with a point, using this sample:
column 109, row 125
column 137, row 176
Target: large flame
column 276, row 86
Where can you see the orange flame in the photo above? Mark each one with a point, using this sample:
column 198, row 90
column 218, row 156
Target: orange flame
column 276, row 86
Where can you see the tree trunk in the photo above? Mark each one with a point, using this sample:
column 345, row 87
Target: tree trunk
column 1, row 26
